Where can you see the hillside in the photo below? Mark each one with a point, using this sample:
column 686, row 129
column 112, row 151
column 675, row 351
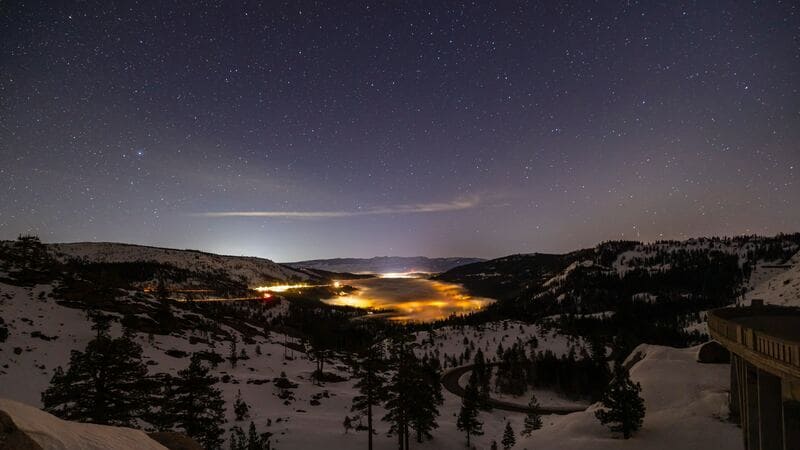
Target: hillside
column 385, row 264
column 310, row 416
column 629, row 291
column 509, row 276
column 253, row 271
column 617, row 295
column 592, row 280
column 783, row 288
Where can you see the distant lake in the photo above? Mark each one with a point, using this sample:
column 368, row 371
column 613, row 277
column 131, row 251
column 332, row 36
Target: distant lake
column 410, row 297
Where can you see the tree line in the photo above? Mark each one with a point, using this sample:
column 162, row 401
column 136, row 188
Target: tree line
column 108, row 383
column 392, row 376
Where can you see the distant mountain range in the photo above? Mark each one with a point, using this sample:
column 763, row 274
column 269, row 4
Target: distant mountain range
column 385, row 264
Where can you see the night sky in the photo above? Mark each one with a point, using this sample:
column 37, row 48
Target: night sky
column 320, row 129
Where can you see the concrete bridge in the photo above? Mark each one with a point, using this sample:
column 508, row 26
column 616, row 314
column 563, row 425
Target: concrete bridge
column 764, row 343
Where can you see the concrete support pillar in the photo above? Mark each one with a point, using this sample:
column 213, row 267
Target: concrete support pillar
column 791, row 424
column 770, row 417
column 733, row 403
column 752, row 439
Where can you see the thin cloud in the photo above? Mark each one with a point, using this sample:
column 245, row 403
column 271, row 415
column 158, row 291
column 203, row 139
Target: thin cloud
column 419, row 208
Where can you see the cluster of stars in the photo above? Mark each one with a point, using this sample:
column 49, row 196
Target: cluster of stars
column 574, row 122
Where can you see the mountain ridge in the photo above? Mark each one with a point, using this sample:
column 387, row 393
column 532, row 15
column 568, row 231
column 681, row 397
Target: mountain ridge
column 384, row 264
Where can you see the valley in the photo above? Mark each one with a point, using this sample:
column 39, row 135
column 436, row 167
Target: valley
column 291, row 342
column 409, row 298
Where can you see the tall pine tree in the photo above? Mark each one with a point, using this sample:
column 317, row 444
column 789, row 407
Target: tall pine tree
column 533, row 421
column 468, row 421
column 370, row 386
column 399, row 388
column 427, row 397
column 623, row 406
column 240, row 408
column 483, row 378
column 194, row 405
column 107, row 383
column 508, row 437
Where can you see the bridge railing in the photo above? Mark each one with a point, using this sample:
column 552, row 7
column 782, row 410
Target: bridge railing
column 779, row 349
column 724, row 328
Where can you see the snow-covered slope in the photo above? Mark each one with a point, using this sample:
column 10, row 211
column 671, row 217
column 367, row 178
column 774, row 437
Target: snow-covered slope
column 52, row 433
column 685, row 400
column 254, row 271
column 647, row 255
column 780, row 289
column 686, row 409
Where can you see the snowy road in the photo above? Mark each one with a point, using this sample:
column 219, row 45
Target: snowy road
column 450, row 382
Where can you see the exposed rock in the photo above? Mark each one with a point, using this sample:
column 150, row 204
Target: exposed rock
column 12, row 438
column 175, row 441
column 23, row 427
column 713, row 353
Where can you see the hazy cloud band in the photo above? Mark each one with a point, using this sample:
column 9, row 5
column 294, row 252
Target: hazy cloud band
column 455, row 205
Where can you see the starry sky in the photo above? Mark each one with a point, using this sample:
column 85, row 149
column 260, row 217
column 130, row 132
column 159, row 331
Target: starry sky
column 297, row 129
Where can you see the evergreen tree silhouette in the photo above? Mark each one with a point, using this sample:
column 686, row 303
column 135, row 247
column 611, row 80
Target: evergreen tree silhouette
column 107, row 383
column 624, row 408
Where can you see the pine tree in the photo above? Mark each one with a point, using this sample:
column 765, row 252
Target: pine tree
column 468, row 421
column 508, row 437
column 252, row 441
column 370, row 385
column 427, row 397
column 483, row 377
column 257, row 441
column 234, row 356
column 237, row 441
column 533, row 421
column 162, row 292
column 624, row 408
column 399, row 389
column 195, row 406
column 240, row 408
column 347, row 424
column 107, row 383
column 600, row 375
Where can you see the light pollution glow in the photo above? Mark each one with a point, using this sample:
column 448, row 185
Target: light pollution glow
column 410, row 298
column 400, row 275
column 286, row 287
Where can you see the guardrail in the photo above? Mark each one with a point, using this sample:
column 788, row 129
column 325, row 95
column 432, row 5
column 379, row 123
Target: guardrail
column 723, row 327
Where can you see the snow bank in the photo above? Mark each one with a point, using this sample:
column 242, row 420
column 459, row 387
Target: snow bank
column 52, row 433
column 686, row 409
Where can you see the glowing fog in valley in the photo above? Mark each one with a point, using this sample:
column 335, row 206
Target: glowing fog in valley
column 409, row 297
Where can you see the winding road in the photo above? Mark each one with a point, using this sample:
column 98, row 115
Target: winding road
column 450, row 382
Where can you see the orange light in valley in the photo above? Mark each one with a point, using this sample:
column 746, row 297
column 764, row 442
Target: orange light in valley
column 285, row 287
column 400, row 275
column 410, row 298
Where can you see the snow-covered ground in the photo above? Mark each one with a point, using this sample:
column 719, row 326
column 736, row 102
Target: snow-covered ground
column 686, row 409
column 685, row 400
column 449, row 342
column 546, row 397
